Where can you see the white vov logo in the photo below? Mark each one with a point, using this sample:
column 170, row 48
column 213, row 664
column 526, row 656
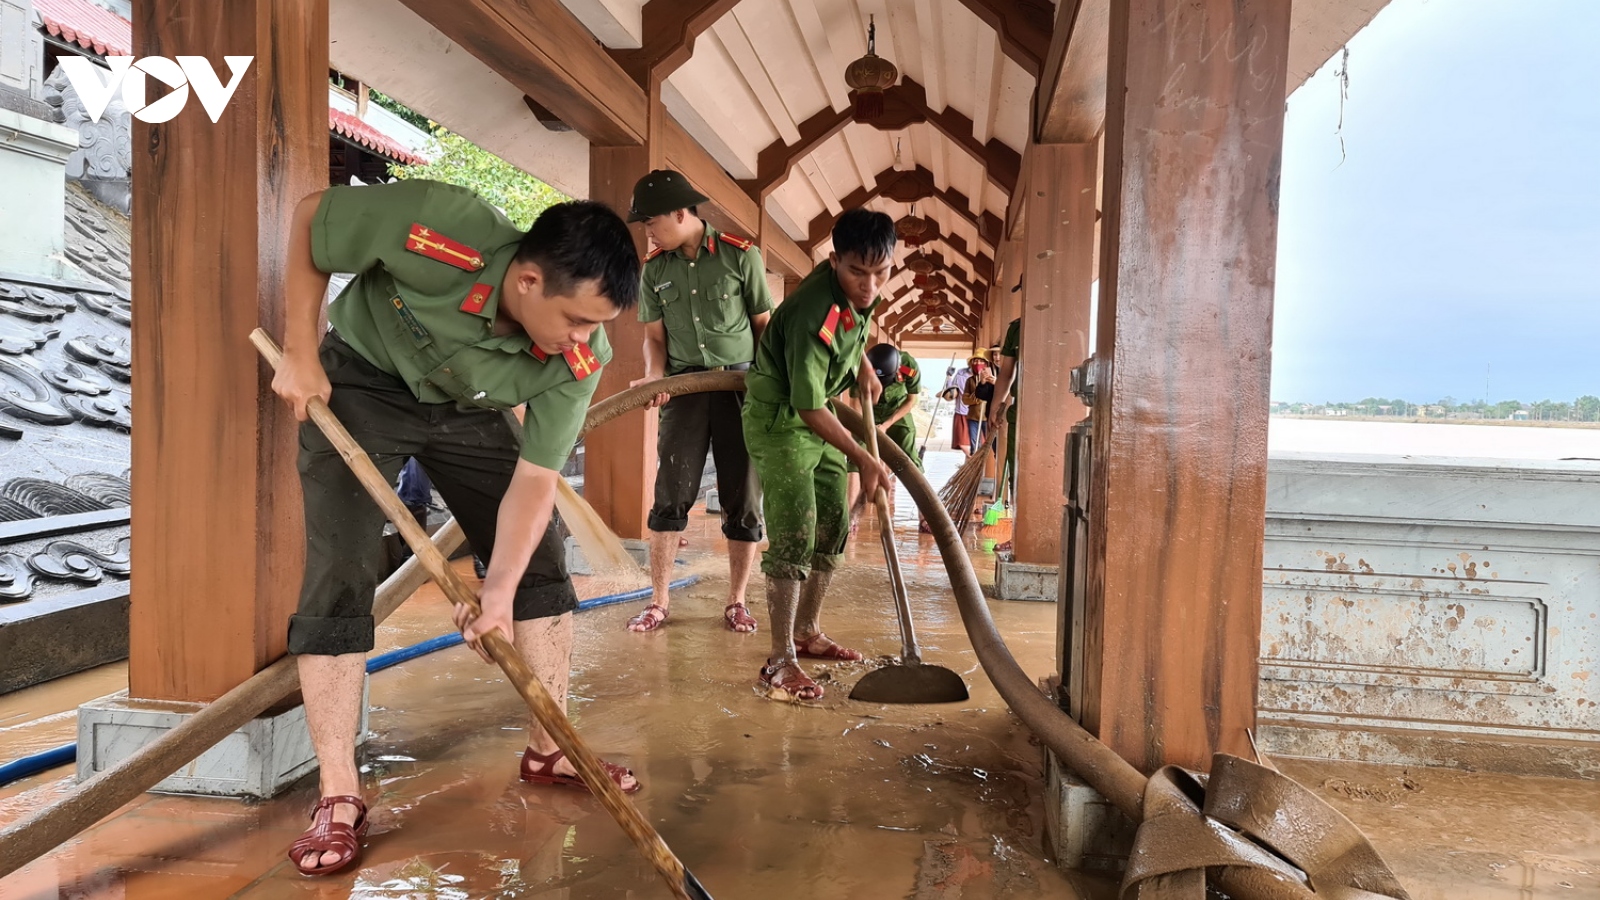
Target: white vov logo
column 96, row 87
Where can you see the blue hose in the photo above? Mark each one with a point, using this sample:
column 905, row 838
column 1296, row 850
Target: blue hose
column 67, row 753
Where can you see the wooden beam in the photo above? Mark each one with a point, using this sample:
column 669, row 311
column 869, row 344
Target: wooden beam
column 905, row 104
column 905, row 187
column 1071, row 99
column 545, row 52
column 782, row 255
column 681, row 152
column 217, row 538
column 1171, row 596
column 1023, row 26
column 670, row 28
column 823, row 60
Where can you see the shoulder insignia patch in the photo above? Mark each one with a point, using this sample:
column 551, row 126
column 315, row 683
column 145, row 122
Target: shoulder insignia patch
column 436, row 246
column 905, row 372
column 654, row 252
column 743, row 243
column 830, row 327
column 477, row 298
column 582, row 361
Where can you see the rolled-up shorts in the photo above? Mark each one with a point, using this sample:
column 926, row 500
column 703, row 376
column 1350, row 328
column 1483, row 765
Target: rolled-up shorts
column 692, row 425
column 469, row 454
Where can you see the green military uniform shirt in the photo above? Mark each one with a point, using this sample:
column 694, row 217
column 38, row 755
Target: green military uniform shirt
column 811, row 350
column 430, row 259
column 706, row 303
column 909, row 382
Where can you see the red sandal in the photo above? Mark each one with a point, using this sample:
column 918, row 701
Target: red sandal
column 739, row 619
column 538, row 768
column 652, row 617
column 798, row 685
column 829, row 649
column 327, row 836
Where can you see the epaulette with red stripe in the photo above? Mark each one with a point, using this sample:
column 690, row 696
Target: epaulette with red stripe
column 734, row 240
column 654, row 252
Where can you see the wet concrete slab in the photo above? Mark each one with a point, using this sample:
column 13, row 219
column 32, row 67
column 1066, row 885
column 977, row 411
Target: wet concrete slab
column 759, row 798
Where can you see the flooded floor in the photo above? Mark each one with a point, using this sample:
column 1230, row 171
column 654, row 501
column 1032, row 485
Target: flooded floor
column 759, row 799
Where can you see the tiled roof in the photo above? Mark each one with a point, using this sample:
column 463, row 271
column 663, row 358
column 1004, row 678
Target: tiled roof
column 87, row 25
column 367, row 136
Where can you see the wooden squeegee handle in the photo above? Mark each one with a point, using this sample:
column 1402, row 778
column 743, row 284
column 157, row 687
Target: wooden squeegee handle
column 909, row 651
column 501, row 650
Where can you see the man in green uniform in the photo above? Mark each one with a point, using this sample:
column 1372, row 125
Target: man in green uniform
column 704, row 302
column 1007, row 386
column 897, row 371
column 454, row 317
column 810, row 353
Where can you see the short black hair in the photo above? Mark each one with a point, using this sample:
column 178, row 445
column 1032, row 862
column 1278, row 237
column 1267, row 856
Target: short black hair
column 582, row 240
column 867, row 234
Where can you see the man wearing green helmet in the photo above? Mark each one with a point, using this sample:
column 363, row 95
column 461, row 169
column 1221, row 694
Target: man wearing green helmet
column 704, row 301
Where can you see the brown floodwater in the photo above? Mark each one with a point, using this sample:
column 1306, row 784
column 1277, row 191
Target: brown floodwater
column 758, row 798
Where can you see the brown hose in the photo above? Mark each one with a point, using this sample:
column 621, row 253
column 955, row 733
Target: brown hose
column 1093, row 761
column 1252, row 820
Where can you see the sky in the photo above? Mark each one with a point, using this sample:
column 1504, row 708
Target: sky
column 1455, row 237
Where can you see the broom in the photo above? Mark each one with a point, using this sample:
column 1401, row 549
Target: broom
column 960, row 493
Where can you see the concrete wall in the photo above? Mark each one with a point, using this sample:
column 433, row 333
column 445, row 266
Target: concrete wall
column 1433, row 611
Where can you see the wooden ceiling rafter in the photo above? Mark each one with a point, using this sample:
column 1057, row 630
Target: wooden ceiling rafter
column 670, row 28
column 910, row 186
column 1071, row 100
column 905, row 104
column 1024, row 28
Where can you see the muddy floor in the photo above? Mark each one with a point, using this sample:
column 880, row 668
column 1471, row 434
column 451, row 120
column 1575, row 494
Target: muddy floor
column 760, row 799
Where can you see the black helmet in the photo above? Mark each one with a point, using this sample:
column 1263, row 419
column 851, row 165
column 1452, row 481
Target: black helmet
column 660, row 192
column 885, row 359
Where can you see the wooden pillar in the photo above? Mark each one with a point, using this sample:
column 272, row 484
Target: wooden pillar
column 619, row 466
column 1055, row 336
column 217, row 540
column 1194, row 129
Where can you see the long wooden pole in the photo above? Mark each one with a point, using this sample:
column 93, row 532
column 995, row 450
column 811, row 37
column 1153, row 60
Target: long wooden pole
column 106, row 791
column 501, row 650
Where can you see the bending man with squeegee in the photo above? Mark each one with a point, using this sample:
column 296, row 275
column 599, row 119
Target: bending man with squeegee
column 809, row 353
column 455, row 316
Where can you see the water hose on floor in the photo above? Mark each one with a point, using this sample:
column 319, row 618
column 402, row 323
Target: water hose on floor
column 27, row 766
column 1253, row 833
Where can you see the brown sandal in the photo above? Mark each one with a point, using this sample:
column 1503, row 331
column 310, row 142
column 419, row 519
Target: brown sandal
column 739, row 619
column 538, row 768
column 327, row 836
column 829, row 648
column 652, row 617
column 797, row 685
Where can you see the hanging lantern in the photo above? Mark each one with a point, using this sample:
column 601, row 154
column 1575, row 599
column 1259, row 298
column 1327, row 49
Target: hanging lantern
column 868, row 77
column 919, row 264
column 912, row 230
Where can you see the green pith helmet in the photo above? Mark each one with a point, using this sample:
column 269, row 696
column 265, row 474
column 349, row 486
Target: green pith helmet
column 662, row 191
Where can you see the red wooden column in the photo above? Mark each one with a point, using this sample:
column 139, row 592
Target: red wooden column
column 1194, row 128
column 217, row 540
column 619, row 458
column 1055, row 335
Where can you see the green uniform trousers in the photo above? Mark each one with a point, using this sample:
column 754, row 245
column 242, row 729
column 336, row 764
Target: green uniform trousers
column 469, row 454
column 803, row 481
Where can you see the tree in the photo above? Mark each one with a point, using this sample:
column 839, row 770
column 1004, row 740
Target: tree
column 456, row 160
column 1587, row 408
